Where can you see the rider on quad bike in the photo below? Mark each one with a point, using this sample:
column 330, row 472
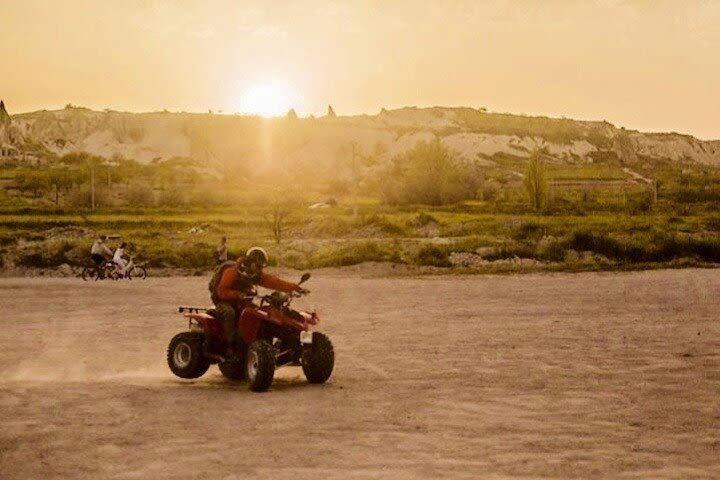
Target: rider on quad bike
column 234, row 282
column 269, row 333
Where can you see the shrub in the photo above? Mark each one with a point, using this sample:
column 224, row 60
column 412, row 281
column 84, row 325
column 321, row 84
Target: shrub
column 706, row 248
column 331, row 225
column 696, row 194
column 528, row 231
column 434, row 256
column 599, row 243
column 352, row 254
column 294, row 259
column 713, row 223
column 171, row 197
column 380, row 222
column 139, row 195
column 197, row 255
column 551, row 249
column 206, row 196
column 46, row 255
column 422, row 219
column 647, row 246
column 8, row 238
column 82, row 197
column 510, row 250
column 489, row 191
column 640, row 202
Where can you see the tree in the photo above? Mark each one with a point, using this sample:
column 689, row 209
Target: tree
column 94, row 163
column 430, row 174
column 32, row 180
column 60, row 179
column 89, row 168
column 536, row 184
column 139, row 194
column 280, row 209
column 358, row 163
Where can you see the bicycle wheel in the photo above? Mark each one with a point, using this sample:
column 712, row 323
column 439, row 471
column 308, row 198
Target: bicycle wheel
column 138, row 271
column 89, row 272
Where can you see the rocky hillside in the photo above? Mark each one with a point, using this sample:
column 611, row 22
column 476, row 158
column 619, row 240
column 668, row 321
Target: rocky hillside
column 222, row 140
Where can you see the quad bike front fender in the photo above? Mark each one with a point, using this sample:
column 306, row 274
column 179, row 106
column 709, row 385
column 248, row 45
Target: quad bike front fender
column 250, row 321
column 252, row 318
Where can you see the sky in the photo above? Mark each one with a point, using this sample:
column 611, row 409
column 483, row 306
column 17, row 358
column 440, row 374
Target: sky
column 652, row 65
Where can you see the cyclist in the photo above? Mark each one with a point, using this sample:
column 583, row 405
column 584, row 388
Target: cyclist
column 121, row 258
column 99, row 252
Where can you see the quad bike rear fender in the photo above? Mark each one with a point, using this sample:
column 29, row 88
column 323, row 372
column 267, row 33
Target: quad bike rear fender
column 205, row 323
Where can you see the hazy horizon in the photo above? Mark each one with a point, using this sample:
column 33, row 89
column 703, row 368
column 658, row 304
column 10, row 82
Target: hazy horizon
column 648, row 66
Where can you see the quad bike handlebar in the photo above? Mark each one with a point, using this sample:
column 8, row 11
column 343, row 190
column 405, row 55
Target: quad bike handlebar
column 281, row 299
column 276, row 298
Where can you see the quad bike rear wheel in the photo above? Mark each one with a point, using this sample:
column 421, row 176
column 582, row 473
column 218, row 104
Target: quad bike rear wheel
column 318, row 359
column 185, row 356
column 260, row 365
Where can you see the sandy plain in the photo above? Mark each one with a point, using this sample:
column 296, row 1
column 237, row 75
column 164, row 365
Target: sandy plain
column 593, row 375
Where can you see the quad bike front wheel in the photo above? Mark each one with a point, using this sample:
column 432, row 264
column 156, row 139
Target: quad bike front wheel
column 185, row 357
column 260, row 365
column 318, row 359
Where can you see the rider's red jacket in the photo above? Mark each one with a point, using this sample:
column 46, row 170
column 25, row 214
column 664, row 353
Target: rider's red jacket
column 227, row 289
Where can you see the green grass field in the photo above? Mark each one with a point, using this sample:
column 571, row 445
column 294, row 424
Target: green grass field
column 595, row 216
column 461, row 236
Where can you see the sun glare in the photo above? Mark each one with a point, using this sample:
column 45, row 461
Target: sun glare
column 267, row 100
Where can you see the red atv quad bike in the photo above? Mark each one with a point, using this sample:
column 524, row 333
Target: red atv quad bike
column 273, row 335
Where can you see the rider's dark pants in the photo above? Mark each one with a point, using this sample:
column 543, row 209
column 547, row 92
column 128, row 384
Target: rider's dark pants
column 228, row 317
column 97, row 258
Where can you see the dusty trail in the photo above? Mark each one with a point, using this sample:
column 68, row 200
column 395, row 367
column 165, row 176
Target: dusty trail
column 612, row 375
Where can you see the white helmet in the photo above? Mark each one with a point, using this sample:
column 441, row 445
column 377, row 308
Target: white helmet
column 257, row 254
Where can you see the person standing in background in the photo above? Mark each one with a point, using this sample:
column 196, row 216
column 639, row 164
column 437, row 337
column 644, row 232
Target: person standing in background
column 222, row 251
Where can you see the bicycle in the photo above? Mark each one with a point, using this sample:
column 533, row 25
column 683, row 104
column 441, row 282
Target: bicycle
column 109, row 270
column 98, row 272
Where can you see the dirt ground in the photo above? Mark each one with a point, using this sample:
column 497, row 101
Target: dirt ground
column 609, row 375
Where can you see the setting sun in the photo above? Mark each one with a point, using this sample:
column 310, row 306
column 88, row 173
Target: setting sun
column 500, row 217
column 266, row 99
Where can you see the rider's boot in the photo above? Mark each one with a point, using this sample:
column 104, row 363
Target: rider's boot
column 234, row 351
